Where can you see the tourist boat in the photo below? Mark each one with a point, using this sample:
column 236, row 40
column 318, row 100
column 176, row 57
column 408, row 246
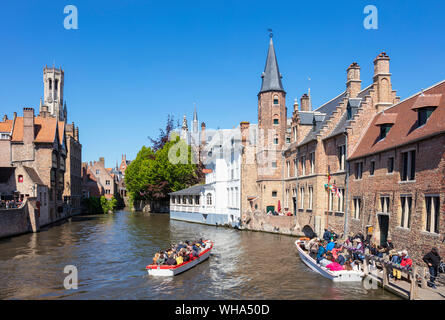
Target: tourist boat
column 337, row 276
column 164, row 270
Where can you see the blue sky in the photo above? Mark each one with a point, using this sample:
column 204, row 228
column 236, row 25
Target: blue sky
column 131, row 63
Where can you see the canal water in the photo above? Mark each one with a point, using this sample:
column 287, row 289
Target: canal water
column 111, row 252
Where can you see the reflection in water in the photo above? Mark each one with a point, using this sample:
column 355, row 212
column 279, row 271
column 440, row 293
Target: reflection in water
column 111, row 252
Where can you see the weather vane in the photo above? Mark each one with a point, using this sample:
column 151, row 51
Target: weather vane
column 270, row 32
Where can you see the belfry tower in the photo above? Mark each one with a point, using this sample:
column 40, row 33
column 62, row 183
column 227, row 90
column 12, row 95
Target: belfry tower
column 53, row 92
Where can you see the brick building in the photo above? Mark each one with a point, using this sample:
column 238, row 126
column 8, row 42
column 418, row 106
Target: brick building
column 36, row 148
column 397, row 174
column 73, row 177
column 98, row 180
column 47, row 148
column 287, row 163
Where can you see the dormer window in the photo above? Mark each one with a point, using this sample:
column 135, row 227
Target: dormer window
column 385, row 121
column 423, row 114
column 384, row 129
column 349, row 112
column 425, row 106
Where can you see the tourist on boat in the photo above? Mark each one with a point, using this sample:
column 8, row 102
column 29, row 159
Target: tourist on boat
column 312, row 246
column 171, row 261
column 334, row 266
column 340, row 259
column 321, row 252
column 432, row 259
column 327, row 234
column 330, row 245
column 179, row 259
column 161, row 259
column 360, row 236
column 336, row 250
column 156, row 257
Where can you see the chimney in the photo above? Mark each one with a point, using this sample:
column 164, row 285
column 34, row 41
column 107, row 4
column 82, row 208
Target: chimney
column 76, row 133
column 5, row 117
column 353, row 82
column 295, row 105
column 203, row 134
column 102, row 161
column 28, row 125
column 244, row 126
column 304, row 103
column 382, row 82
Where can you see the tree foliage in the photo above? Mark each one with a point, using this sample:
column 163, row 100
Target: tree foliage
column 108, row 205
column 164, row 135
column 153, row 174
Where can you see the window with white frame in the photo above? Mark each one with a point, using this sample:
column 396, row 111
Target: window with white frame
column 330, row 200
column 405, row 210
column 288, row 168
column 357, row 207
column 287, row 199
column 303, row 165
column 384, row 204
column 312, row 155
column 432, row 212
column 311, row 197
column 409, row 165
column 236, row 197
column 341, row 157
column 341, row 200
column 209, row 199
column 301, row 197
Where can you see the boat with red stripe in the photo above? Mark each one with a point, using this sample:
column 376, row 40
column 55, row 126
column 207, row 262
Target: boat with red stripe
column 167, row 270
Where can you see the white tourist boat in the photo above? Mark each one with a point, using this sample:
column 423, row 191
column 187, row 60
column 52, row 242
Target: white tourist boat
column 337, row 276
column 165, row 270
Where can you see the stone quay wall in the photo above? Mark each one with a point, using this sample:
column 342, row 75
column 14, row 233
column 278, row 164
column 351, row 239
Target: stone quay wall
column 258, row 221
column 19, row 220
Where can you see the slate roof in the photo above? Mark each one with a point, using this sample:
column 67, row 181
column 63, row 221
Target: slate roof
column 405, row 130
column 354, row 103
column 194, row 190
column 271, row 75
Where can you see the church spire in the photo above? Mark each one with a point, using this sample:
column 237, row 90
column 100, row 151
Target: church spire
column 195, row 120
column 271, row 75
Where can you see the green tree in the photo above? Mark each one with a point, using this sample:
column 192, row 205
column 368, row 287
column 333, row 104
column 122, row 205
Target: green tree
column 108, row 205
column 151, row 176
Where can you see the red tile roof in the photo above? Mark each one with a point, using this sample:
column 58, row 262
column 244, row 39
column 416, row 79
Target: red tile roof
column 386, row 118
column 405, row 129
column 44, row 129
column 427, row 100
column 6, row 126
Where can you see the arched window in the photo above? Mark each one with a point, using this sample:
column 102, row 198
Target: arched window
column 50, row 84
column 56, row 82
column 275, row 140
column 275, row 99
column 209, row 199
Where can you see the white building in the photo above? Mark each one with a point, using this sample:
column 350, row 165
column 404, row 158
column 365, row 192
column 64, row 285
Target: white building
column 217, row 202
